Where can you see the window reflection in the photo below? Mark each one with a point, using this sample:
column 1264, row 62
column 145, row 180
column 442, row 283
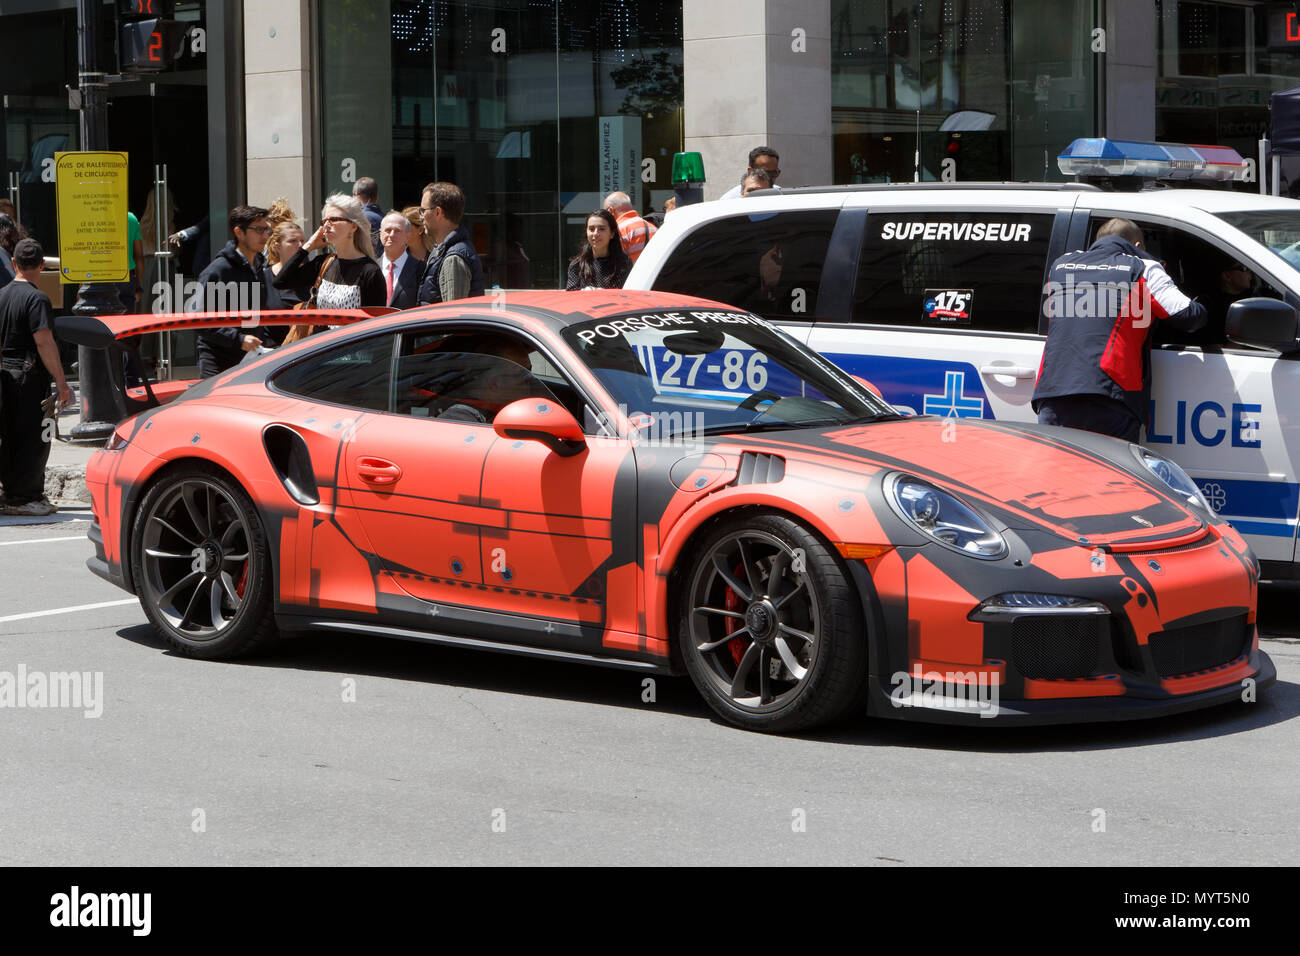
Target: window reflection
column 981, row 87
column 522, row 103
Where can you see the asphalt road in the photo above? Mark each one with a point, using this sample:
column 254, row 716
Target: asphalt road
column 455, row 757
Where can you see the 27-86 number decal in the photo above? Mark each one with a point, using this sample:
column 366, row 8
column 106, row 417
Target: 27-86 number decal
column 948, row 306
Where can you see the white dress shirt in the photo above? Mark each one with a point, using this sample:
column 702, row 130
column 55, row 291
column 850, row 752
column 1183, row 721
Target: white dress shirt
column 385, row 263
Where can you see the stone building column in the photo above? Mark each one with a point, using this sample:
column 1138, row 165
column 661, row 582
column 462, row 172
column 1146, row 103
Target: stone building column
column 279, row 94
column 757, row 72
column 1130, row 64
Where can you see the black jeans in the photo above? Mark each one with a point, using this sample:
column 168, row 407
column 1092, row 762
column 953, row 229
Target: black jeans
column 1093, row 413
column 24, row 444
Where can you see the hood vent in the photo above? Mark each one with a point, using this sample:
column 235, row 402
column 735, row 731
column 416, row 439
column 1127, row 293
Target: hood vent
column 757, row 468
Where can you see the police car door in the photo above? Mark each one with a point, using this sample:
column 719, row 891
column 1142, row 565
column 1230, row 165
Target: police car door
column 1220, row 410
column 946, row 300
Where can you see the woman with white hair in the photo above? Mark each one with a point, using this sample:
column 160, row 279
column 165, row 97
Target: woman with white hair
column 348, row 277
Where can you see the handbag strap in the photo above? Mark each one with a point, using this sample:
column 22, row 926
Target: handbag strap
column 321, row 275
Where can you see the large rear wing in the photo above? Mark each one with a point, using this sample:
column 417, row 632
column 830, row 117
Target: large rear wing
column 103, row 331
column 117, row 333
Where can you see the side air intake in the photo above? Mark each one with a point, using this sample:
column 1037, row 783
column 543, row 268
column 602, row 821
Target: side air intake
column 292, row 463
column 757, row 468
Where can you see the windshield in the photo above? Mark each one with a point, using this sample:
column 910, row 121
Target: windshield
column 1279, row 229
column 715, row 372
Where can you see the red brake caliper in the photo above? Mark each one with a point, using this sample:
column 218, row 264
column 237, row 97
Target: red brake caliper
column 243, row 580
column 731, row 601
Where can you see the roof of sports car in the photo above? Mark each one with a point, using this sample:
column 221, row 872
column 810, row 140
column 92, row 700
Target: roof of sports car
column 557, row 309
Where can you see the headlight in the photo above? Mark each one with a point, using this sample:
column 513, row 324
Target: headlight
column 1170, row 474
column 945, row 518
column 116, row 442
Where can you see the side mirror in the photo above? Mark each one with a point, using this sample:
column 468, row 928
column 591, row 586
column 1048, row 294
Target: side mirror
column 1263, row 323
column 544, row 420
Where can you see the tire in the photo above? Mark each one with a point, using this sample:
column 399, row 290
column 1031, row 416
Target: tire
column 202, row 565
column 772, row 648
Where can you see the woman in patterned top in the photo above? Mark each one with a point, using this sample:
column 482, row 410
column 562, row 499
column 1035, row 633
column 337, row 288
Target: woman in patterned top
column 602, row 263
column 351, row 279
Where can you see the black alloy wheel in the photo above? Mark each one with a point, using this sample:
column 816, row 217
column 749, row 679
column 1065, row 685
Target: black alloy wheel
column 202, row 566
column 772, row 630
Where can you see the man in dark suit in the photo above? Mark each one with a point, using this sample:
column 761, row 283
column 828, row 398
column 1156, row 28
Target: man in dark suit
column 400, row 269
column 367, row 190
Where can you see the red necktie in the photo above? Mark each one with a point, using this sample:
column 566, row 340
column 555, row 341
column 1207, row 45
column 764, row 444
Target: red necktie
column 391, row 267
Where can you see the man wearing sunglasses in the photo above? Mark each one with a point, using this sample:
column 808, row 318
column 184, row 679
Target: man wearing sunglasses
column 760, row 157
column 233, row 281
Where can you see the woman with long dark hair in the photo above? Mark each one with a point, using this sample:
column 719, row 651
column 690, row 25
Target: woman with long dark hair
column 10, row 233
column 602, row 263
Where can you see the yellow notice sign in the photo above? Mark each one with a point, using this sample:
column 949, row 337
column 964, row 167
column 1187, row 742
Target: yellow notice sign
column 91, row 189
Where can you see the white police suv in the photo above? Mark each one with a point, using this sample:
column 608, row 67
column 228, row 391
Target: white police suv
column 934, row 293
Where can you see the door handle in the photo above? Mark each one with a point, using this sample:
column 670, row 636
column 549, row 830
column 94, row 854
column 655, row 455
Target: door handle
column 1011, row 371
column 378, row 471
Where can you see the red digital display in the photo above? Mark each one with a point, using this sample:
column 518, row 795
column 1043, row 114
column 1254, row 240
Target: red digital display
column 150, row 46
column 1283, row 30
column 144, row 8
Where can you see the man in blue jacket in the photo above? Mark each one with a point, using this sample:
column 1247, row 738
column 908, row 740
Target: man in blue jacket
column 1101, row 302
column 453, row 270
column 233, row 282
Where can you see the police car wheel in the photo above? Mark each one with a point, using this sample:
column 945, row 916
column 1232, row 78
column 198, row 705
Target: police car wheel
column 771, row 629
column 202, row 565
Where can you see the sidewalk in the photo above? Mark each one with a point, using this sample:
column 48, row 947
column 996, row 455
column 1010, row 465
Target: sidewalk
column 65, row 477
column 65, row 472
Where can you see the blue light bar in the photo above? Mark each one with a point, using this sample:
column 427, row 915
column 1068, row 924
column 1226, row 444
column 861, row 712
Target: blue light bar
column 1117, row 157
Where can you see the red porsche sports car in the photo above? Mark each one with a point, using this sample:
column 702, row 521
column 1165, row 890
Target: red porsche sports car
column 667, row 484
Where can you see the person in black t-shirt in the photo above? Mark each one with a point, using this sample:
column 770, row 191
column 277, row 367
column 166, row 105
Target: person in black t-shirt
column 237, row 270
column 346, row 278
column 30, row 363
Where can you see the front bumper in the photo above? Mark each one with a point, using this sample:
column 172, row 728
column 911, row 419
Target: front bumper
column 1175, row 632
column 99, row 564
column 1075, row 710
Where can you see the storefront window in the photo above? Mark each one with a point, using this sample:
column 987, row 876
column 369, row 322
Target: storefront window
column 535, row 108
column 964, row 89
column 1218, row 65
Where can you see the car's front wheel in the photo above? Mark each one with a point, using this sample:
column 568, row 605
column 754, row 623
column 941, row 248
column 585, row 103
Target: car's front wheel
column 202, row 564
column 771, row 628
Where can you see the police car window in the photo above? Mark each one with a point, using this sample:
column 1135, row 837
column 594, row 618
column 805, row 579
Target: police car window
column 355, row 374
column 768, row 263
column 953, row 269
column 1201, row 270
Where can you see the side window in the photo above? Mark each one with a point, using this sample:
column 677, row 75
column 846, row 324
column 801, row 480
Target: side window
column 766, row 263
column 356, row 374
column 1214, row 278
column 975, row 270
column 468, row 375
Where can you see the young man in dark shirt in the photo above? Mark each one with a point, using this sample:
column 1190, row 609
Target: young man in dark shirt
column 238, row 267
column 30, row 363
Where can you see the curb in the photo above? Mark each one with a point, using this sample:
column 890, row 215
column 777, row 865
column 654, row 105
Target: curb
column 66, row 485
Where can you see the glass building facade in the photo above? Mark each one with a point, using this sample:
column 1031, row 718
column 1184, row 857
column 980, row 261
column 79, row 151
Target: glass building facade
column 1218, row 63
column 977, row 89
column 535, row 108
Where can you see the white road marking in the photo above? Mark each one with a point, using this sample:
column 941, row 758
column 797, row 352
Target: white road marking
column 67, row 610
column 75, row 537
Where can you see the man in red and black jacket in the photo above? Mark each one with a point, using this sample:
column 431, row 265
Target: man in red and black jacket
column 1101, row 302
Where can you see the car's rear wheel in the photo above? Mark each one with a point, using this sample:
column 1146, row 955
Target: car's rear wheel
column 771, row 629
column 202, row 565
